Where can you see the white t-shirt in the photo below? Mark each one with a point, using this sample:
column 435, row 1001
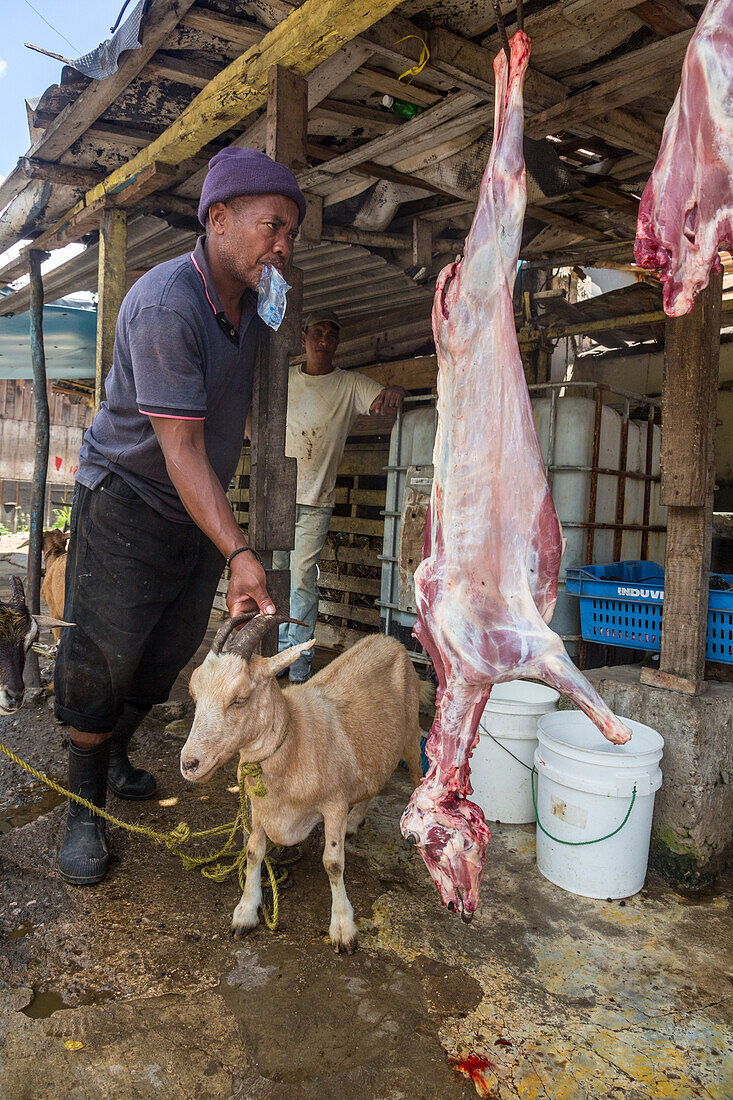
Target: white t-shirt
column 321, row 411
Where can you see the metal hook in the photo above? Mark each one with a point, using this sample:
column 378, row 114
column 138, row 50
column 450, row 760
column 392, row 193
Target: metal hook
column 498, row 14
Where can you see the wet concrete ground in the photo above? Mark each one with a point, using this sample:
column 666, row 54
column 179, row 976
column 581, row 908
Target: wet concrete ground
column 134, row 988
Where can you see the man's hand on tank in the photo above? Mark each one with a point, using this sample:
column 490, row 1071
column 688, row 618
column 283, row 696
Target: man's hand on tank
column 391, row 397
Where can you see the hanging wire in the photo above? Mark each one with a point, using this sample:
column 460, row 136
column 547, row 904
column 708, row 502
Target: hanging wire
column 54, row 29
column 119, row 17
column 498, row 15
column 520, row 15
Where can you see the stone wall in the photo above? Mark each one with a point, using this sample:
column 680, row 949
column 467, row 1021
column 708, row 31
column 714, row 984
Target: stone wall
column 692, row 833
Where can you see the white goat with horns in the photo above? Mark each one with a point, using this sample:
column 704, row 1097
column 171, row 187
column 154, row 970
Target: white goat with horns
column 325, row 747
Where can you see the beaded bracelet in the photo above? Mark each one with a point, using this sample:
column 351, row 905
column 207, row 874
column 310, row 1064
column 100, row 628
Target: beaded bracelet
column 241, row 550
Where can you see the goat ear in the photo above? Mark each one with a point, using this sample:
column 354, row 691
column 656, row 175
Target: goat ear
column 48, row 620
column 281, row 661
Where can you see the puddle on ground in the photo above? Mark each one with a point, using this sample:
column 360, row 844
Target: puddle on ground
column 21, row 930
column 47, row 1001
column 703, row 896
column 39, row 801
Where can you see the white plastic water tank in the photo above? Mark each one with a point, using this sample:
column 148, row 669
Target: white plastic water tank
column 411, row 444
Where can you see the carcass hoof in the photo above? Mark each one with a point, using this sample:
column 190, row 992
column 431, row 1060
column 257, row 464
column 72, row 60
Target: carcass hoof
column 466, row 917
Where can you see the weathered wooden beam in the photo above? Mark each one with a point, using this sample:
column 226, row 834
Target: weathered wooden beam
column 287, row 118
column 583, row 105
column 342, row 108
column 691, row 354
column 66, row 174
column 88, row 214
column 689, row 405
column 238, row 31
column 663, row 54
column 388, row 85
column 113, row 133
column 345, row 234
column 309, row 36
column 111, row 287
column 372, row 169
column 311, row 228
column 40, row 464
column 573, row 251
column 422, row 243
column 629, row 320
column 417, row 373
column 183, row 70
column 664, row 17
column 550, row 217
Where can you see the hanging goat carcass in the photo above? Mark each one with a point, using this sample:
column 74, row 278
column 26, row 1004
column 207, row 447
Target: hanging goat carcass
column 325, row 747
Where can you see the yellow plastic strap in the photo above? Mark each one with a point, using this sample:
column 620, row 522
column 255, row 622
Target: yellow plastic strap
column 410, row 74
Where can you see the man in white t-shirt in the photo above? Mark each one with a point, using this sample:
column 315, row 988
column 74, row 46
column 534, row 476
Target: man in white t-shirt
column 323, row 403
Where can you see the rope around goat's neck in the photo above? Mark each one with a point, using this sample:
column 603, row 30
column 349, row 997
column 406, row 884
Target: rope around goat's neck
column 252, row 769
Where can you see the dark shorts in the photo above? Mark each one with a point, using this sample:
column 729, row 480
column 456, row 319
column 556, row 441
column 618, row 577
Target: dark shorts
column 139, row 588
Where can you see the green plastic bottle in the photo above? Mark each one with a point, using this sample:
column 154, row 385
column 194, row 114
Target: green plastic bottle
column 401, row 107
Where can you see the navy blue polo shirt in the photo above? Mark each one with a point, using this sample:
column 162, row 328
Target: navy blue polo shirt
column 175, row 355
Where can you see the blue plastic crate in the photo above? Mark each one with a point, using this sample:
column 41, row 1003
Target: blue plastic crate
column 423, row 757
column 621, row 604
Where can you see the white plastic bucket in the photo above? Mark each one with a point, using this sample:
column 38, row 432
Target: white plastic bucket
column 501, row 786
column 584, row 789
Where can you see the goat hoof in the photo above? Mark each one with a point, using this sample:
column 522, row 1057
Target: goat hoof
column 242, row 928
column 342, row 946
column 345, row 947
column 238, row 932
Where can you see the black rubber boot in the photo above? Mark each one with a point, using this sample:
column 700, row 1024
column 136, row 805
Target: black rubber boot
column 125, row 780
column 83, row 855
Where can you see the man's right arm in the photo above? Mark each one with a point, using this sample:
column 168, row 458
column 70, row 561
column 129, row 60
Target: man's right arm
column 183, row 446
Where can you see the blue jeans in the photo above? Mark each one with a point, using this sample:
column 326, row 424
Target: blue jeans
column 311, row 528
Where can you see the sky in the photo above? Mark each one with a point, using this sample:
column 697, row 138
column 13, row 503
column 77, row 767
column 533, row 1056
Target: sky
column 24, row 73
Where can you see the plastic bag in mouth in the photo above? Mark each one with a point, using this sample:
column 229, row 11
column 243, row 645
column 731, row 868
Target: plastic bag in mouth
column 271, row 298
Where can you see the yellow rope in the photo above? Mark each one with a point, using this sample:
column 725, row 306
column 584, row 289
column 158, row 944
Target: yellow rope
column 212, row 865
column 424, row 58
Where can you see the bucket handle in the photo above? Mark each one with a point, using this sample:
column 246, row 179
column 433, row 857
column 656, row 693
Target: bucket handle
column 578, row 843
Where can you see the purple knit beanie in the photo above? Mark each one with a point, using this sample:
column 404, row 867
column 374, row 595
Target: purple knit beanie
column 235, row 171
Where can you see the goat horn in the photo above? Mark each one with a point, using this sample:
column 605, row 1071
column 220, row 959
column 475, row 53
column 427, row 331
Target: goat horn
column 224, row 631
column 252, row 634
column 250, row 637
column 17, row 592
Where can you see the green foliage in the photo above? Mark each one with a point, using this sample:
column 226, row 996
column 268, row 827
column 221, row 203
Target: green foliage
column 62, row 518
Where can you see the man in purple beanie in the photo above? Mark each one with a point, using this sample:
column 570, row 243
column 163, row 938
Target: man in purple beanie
column 151, row 526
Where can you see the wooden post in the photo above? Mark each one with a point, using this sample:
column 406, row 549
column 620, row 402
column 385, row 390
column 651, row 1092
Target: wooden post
column 422, row 243
column 111, row 285
column 689, row 404
column 40, row 465
column 273, row 476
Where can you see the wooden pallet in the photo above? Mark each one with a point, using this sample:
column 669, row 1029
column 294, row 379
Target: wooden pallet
column 350, row 569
